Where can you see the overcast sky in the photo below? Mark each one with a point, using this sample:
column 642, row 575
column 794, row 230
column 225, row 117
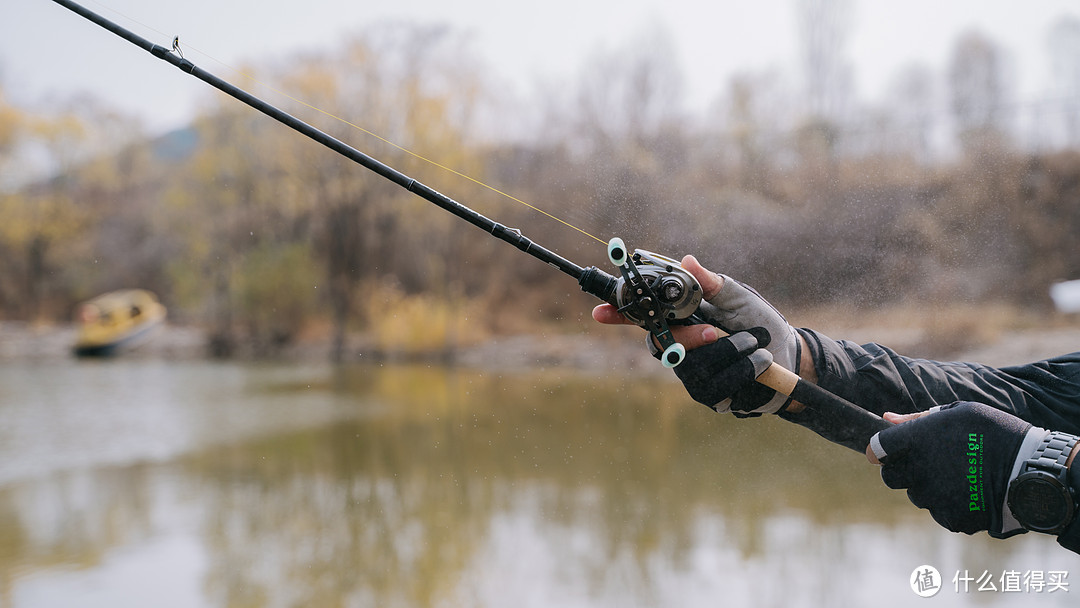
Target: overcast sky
column 48, row 52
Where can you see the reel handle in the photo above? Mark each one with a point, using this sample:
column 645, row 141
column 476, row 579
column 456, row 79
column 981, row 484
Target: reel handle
column 655, row 321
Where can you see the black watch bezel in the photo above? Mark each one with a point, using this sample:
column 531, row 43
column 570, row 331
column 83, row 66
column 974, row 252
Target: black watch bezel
column 1041, row 502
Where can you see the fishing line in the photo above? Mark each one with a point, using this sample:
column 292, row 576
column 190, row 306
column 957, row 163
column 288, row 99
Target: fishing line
column 652, row 290
column 428, row 160
column 178, row 48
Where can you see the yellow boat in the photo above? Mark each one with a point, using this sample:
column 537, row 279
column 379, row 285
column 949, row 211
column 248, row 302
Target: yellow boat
column 116, row 321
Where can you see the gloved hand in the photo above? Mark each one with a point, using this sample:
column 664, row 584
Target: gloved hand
column 733, row 307
column 721, row 375
column 957, row 462
column 737, row 307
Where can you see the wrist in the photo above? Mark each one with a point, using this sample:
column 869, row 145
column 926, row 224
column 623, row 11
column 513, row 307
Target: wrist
column 807, row 371
column 1070, row 537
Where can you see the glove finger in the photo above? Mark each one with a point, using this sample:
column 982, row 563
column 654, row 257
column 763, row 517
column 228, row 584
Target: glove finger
column 745, row 342
column 946, row 518
column 714, row 372
column 710, row 359
column 896, row 444
column 754, row 399
column 737, row 375
column 762, row 335
column 730, row 349
column 710, row 386
column 696, row 373
column 761, row 360
column 896, row 474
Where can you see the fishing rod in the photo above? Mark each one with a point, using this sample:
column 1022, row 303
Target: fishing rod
column 653, row 291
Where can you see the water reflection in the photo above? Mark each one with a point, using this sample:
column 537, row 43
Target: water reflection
column 235, row 485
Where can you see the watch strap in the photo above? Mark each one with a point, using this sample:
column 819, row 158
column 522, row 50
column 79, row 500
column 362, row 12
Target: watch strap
column 1051, row 455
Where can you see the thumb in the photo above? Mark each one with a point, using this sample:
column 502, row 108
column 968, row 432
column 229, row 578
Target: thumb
column 710, row 281
column 875, row 455
column 891, row 446
column 870, row 455
column 901, row 418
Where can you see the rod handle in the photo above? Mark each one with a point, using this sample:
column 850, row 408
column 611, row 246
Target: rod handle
column 829, row 415
column 825, row 413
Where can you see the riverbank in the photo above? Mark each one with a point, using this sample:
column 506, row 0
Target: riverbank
column 606, row 348
column 27, row 342
column 34, row 342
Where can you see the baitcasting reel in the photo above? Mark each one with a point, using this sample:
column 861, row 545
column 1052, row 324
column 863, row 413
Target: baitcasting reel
column 654, row 292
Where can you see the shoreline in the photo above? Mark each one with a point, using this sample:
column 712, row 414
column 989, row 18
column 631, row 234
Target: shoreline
column 26, row 342
column 22, row 341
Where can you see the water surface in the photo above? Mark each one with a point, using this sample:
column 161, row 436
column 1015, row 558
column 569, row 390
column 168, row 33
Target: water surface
column 152, row 483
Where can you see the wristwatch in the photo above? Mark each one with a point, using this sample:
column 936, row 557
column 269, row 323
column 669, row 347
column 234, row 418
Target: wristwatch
column 1040, row 497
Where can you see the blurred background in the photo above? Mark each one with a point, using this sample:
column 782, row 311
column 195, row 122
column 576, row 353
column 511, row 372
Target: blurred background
column 360, row 400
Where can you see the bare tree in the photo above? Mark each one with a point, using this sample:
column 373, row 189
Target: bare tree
column 823, row 29
column 752, row 126
column 913, row 103
column 977, row 92
column 627, row 117
column 631, row 94
column 1064, row 46
column 823, row 26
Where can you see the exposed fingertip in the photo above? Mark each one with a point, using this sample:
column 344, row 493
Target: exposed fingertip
column 875, row 452
column 606, row 314
column 596, row 314
column 871, row 456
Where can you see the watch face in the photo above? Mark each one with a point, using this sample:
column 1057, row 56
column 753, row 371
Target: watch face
column 1040, row 503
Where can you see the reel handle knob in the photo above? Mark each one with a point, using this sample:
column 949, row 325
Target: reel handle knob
column 616, row 251
column 673, row 355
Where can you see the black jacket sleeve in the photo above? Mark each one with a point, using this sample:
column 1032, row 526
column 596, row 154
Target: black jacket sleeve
column 1045, row 393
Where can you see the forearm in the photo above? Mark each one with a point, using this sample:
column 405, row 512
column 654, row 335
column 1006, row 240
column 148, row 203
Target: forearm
column 1046, row 393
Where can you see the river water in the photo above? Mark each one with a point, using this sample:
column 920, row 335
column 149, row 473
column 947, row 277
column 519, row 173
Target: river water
column 134, row 483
